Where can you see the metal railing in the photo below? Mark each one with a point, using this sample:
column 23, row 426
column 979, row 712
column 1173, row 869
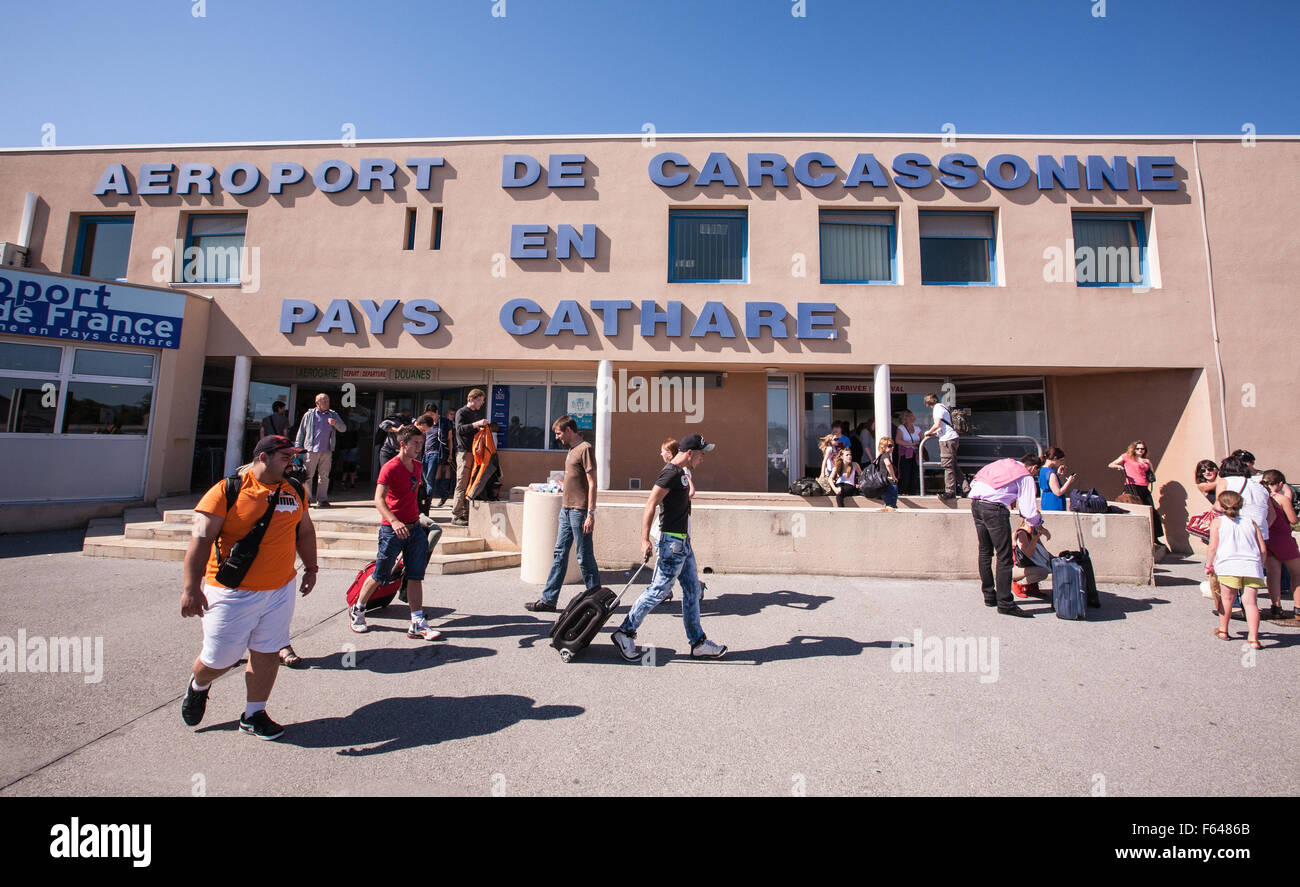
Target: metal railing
column 999, row 446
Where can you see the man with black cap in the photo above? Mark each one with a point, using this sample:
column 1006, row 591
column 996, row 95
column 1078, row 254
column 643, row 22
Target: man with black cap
column 676, row 558
column 254, row 614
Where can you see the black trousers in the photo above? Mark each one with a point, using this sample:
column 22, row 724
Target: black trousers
column 908, row 475
column 1144, row 493
column 993, row 530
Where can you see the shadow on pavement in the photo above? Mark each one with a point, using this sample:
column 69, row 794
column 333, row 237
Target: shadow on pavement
column 49, row 542
column 1164, row 579
column 410, row 722
column 805, row 647
column 753, row 604
column 420, row 655
column 1115, row 607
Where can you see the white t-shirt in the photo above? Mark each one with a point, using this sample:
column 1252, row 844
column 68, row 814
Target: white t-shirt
column 1238, row 553
column 944, row 418
column 1254, row 501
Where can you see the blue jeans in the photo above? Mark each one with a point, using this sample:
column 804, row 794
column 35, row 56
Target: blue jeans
column 414, row 550
column 431, row 474
column 891, row 495
column 676, row 561
column 571, row 520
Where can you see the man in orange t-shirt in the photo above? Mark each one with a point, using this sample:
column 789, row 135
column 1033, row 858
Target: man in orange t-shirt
column 256, row 615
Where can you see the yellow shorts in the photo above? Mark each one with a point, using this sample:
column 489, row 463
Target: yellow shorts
column 1240, row 582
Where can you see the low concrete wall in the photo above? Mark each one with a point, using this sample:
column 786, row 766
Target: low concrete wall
column 930, row 543
column 58, row 516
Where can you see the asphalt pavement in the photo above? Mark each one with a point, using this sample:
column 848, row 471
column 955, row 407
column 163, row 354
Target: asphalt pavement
column 831, row 686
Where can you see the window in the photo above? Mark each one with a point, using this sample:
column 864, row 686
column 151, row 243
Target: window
column 706, row 246
column 525, row 413
column 410, row 229
column 107, row 408
column 437, row 228
column 956, row 248
column 857, row 247
column 1109, row 249
column 29, row 387
column 214, row 248
column 103, row 246
column 68, row 390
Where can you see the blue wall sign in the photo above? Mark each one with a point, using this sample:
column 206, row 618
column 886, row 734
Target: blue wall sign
column 88, row 310
column 501, row 412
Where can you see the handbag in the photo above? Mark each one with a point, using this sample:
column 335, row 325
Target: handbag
column 1199, row 525
column 1089, row 502
column 873, row 480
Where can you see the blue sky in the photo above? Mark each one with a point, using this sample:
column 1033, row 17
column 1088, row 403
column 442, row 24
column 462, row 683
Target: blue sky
column 149, row 71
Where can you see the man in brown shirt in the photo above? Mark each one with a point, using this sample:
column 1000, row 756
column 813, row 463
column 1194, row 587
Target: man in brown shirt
column 577, row 515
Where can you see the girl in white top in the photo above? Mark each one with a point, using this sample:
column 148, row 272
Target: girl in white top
column 844, row 475
column 1236, row 557
column 1256, row 502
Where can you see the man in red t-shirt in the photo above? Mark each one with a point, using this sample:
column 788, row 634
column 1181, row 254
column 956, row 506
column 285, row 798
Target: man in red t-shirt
column 397, row 499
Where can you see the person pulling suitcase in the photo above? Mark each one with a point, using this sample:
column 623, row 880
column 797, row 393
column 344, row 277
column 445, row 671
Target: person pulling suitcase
column 676, row 557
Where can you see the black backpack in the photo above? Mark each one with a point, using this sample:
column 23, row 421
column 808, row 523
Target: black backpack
column 961, row 422
column 805, row 486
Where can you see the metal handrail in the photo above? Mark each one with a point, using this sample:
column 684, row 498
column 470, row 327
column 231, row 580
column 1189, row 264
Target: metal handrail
column 1031, row 443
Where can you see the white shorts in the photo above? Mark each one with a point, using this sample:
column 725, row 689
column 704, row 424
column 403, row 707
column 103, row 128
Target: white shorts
column 239, row 620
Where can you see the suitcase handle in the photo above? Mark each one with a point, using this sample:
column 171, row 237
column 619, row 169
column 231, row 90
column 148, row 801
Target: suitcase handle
column 637, row 572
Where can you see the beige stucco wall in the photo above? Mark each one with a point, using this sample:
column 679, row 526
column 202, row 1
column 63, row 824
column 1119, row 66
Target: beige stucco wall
column 803, row 539
column 319, row 246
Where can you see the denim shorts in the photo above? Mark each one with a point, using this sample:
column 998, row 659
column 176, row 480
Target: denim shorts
column 414, row 550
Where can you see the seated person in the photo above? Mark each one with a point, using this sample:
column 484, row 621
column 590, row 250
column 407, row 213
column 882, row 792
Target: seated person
column 1036, row 559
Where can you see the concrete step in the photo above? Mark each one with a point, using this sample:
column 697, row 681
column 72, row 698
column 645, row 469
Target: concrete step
column 439, row 564
column 139, row 549
column 140, row 515
column 442, row 562
column 332, row 521
column 179, row 531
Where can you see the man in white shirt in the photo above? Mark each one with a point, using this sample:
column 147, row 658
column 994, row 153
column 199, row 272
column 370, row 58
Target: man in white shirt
column 997, row 487
column 948, row 442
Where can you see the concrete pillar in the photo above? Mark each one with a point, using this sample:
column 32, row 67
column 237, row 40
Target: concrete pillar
column 604, row 413
column 884, row 425
column 238, row 410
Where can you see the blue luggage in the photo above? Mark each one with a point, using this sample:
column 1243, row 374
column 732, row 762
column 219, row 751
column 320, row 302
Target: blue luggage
column 1069, row 592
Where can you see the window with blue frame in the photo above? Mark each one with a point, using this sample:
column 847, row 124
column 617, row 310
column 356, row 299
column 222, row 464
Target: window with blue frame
column 214, row 248
column 1109, row 249
column 706, row 246
column 857, row 246
column 957, row 248
column 103, row 247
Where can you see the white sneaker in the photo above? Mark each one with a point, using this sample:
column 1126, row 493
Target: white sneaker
column 421, row 631
column 357, row 615
column 626, row 646
column 706, row 649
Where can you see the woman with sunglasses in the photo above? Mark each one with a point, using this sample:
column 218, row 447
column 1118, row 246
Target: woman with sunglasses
column 1139, row 475
column 1207, row 478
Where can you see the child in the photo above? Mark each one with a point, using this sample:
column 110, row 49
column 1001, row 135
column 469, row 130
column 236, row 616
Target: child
column 844, row 475
column 1236, row 557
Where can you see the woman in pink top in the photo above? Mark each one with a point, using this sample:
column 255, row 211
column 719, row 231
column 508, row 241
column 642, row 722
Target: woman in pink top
column 1139, row 475
column 1281, row 545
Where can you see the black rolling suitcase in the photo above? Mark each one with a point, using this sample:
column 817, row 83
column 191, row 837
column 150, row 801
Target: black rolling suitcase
column 585, row 616
column 1084, row 560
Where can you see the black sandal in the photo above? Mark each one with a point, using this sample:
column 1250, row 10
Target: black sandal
column 291, row 659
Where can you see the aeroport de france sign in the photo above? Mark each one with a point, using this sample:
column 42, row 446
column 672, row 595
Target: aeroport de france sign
column 88, row 310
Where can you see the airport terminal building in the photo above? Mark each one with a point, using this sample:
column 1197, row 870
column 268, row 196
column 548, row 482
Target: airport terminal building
column 1071, row 291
